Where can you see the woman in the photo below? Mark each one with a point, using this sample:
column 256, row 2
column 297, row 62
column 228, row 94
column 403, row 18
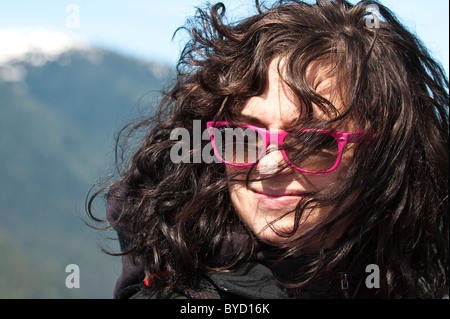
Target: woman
column 338, row 190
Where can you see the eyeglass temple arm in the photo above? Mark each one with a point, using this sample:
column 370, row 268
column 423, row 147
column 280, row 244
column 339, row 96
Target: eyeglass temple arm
column 355, row 137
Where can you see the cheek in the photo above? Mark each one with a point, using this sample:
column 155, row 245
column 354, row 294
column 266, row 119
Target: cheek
column 236, row 176
column 240, row 196
column 236, row 183
column 320, row 181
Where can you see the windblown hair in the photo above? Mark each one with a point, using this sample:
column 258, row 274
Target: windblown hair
column 177, row 216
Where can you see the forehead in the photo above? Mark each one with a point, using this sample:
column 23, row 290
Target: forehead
column 280, row 107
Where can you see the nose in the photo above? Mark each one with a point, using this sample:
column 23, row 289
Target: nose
column 268, row 164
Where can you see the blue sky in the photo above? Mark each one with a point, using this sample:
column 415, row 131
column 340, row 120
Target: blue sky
column 144, row 28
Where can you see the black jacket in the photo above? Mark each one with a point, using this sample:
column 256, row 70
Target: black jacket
column 253, row 280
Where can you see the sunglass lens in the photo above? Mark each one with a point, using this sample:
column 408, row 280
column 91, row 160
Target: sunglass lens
column 238, row 145
column 311, row 151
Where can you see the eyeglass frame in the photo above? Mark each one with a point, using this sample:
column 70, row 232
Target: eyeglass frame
column 342, row 138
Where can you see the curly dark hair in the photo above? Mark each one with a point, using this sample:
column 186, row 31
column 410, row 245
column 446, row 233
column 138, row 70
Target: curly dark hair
column 176, row 217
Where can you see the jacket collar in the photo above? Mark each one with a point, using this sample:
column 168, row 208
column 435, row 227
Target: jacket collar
column 252, row 280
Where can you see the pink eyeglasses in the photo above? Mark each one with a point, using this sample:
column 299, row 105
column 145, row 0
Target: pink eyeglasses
column 309, row 151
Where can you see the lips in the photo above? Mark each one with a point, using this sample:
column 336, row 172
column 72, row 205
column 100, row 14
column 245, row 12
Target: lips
column 278, row 199
column 280, row 193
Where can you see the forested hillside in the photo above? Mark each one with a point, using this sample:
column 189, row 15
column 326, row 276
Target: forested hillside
column 58, row 119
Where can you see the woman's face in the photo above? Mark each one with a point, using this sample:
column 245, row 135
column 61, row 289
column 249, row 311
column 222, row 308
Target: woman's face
column 264, row 201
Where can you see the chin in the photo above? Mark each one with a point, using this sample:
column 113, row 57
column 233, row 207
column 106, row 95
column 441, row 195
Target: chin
column 277, row 231
column 273, row 231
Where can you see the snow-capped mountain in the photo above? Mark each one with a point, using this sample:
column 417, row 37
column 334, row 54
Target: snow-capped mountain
column 36, row 45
